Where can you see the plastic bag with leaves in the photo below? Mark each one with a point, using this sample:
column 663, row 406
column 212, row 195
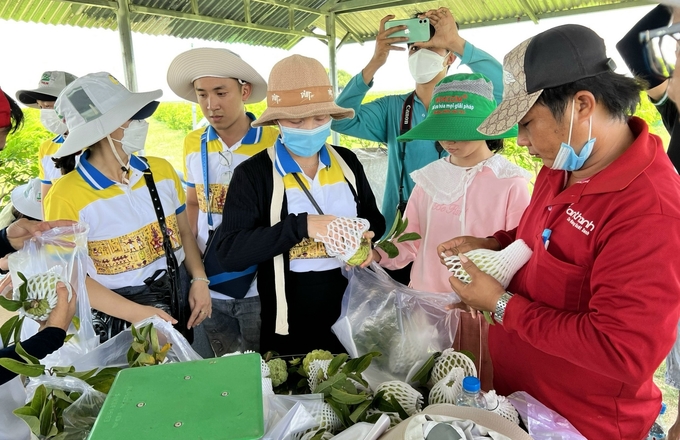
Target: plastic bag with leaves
column 114, row 352
column 405, row 325
column 58, row 254
column 78, row 417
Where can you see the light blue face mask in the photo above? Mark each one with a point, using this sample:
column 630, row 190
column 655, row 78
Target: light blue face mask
column 305, row 143
column 566, row 158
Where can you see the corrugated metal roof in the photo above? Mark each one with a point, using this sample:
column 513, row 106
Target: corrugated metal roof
column 279, row 23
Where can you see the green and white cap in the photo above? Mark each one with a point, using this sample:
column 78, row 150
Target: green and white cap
column 50, row 85
column 460, row 103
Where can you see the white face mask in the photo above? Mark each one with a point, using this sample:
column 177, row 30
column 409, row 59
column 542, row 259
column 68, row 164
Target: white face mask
column 425, row 64
column 134, row 136
column 50, row 120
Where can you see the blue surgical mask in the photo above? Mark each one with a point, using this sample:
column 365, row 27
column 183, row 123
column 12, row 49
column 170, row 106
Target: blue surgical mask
column 566, row 158
column 305, row 143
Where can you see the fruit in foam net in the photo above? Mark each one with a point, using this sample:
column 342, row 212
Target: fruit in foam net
column 40, row 293
column 361, row 254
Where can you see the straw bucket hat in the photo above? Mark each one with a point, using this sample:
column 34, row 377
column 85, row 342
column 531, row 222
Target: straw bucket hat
column 201, row 62
column 299, row 87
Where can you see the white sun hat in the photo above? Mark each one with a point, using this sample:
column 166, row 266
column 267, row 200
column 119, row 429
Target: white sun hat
column 203, row 62
column 95, row 105
column 27, row 200
column 50, row 85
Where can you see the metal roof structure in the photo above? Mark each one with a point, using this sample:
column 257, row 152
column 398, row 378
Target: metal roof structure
column 276, row 23
column 281, row 23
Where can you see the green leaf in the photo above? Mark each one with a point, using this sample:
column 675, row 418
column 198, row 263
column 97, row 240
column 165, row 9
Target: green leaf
column 155, row 345
column 325, row 386
column 39, row 400
column 360, row 411
column 341, row 396
column 17, row 328
column 358, row 378
column 7, row 330
column 21, row 277
column 68, row 337
column 336, row 363
column 487, row 316
column 341, row 410
column 83, row 375
column 318, row 435
column 348, row 386
column 26, row 414
column 423, row 375
column 24, row 355
column 400, row 410
column 468, row 354
column 395, row 224
column 76, row 322
column 138, row 347
column 401, row 228
column 135, row 333
column 9, row 304
column 61, row 371
column 389, row 248
column 410, row 236
column 46, row 418
column 22, row 367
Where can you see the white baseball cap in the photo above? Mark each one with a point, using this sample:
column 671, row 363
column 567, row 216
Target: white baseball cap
column 50, row 85
column 95, row 105
column 26, row 199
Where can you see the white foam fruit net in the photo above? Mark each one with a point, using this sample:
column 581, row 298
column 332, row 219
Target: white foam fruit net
column 502, row 265
column 449, row 388
column 407, row 396
column 310, row 435
column 325, row 416
column 344, row 236
column 318, row 372
column 501, row 406
column 449, row 360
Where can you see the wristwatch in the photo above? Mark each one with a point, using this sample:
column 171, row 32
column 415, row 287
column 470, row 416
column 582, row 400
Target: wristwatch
column 501, row 304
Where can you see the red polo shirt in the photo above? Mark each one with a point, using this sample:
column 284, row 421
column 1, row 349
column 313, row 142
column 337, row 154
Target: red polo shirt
column 596, row 312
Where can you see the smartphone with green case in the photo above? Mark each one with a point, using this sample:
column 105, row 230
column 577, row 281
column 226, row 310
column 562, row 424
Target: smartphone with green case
column 417, row 29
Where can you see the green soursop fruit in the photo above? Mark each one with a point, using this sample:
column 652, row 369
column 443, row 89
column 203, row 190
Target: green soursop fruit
column 360, row 255
column 312, row 355
column 278, row 371
column 41, row 295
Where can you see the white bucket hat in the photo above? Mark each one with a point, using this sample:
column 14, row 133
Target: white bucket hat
column 95, row 105
column 26, row 199
column 50, row 85
column 193, row 64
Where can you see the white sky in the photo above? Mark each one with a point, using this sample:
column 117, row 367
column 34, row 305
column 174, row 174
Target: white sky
column 31, row 48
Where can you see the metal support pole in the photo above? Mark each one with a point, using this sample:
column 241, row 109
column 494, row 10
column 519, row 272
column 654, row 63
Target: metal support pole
column 332, row 69
column 125, row 32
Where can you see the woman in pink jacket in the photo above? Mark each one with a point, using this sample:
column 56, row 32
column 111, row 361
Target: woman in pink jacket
column 473, row 191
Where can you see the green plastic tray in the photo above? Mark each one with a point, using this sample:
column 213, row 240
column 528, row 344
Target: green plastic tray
column 217, row 398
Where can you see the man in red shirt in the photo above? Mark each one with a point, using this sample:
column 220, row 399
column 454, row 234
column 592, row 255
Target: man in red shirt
column 586, row 322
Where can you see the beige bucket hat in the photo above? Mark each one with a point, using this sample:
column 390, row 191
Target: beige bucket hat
column 193, row 64
column 299, row 87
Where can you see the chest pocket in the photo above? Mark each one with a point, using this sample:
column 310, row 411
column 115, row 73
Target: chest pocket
column 554, row 282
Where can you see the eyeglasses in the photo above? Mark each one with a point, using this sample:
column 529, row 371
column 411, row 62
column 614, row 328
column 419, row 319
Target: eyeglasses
column 661, row 49
column 226, row 159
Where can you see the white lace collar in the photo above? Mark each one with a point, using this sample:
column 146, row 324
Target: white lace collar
column 446, row 183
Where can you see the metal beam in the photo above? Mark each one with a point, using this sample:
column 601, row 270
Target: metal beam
column 363, row 5
column 292, row 5
column 332, row 68
column 108, row 4
column 529, row 10
column 125, row 32
column 246, row 10
column 220, row 21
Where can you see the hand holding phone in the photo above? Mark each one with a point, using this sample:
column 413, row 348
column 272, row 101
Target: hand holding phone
column 417, row 29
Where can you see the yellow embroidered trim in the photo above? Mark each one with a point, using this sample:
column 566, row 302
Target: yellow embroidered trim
column 308, row 249
column 135, row 250
column 219, row 195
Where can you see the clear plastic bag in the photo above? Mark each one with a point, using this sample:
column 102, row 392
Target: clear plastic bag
column 113, row 353
column 405, row 325
column 291, row 415
column 63, row 251
column 542, row 422
column 80, row 416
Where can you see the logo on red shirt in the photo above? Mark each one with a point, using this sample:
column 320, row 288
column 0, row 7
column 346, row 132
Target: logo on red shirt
column 579, row 222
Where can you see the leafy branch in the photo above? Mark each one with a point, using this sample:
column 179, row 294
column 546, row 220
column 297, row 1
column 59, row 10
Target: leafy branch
column 397, row 231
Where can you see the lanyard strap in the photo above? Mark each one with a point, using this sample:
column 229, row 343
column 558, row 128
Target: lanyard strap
column 405, row 125
column 204, row 164
column 309, row 195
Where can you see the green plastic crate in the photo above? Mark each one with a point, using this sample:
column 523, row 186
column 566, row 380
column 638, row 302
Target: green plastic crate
column 210, row 399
